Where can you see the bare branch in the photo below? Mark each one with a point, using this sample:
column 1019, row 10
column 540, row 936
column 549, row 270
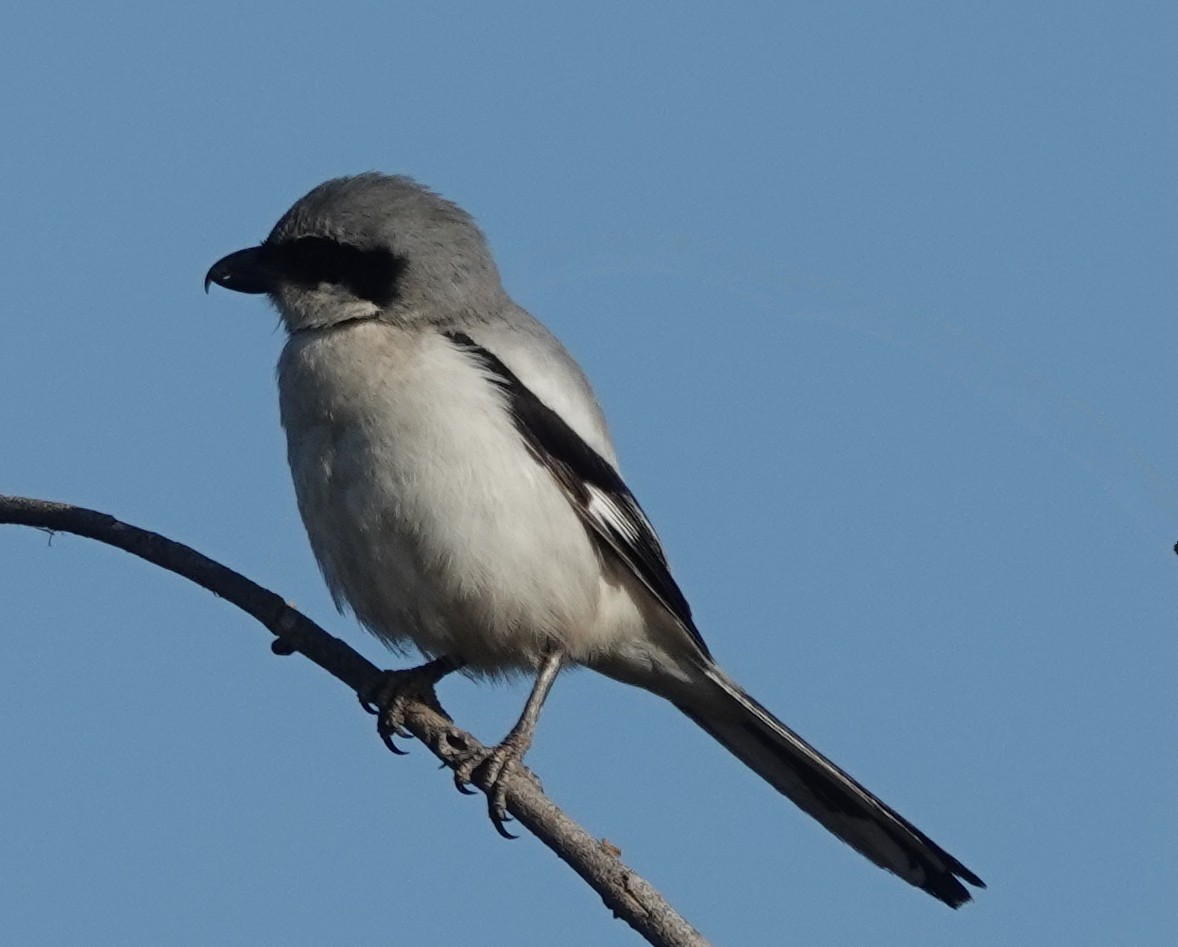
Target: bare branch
column 628, row 895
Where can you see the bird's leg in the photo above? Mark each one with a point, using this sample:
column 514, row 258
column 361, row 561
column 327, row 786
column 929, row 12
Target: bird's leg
column 394, row 690
column 500, row 760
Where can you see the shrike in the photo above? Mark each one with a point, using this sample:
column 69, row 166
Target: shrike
column 460, row 491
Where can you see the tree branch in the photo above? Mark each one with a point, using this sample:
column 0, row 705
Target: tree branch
column 628, row 895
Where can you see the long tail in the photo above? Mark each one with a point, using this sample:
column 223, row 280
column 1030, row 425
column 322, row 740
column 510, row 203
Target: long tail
column 818, row 787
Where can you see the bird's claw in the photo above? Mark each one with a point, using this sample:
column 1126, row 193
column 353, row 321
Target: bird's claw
column 388, row 699
column 497, row 765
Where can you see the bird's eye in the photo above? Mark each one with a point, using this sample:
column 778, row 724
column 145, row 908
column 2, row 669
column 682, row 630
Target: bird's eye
column 372, row 274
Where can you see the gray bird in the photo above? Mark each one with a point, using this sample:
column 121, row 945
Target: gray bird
column 459, row 488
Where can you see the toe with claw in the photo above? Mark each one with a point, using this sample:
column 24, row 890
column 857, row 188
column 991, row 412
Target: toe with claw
column 497, row 765
column 389, row 697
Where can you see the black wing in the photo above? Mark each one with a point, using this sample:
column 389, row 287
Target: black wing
column 593, row 486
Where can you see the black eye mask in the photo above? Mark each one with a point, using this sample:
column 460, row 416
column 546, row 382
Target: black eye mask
column 310, row 261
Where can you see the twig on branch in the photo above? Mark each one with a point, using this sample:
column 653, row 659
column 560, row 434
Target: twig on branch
column 628, row 895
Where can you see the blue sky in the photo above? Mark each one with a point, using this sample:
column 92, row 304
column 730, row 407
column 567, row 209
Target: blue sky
column 880, row 301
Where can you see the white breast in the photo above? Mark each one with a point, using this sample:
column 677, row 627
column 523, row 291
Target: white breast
column 425, row 510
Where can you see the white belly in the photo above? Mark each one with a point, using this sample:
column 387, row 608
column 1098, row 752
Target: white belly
column 427, row 514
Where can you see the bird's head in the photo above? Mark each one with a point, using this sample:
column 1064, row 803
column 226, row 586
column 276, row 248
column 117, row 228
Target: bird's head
column 370, row 246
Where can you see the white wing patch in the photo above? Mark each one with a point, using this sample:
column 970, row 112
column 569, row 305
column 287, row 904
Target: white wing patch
column 592, row 484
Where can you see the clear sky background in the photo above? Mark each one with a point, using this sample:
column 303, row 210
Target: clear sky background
column 880, row 300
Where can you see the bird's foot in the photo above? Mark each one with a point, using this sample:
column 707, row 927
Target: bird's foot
column 497, row 765
column 494, row 767
column 389, row 697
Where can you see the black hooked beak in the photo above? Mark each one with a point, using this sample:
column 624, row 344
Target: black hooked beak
column 246, row 271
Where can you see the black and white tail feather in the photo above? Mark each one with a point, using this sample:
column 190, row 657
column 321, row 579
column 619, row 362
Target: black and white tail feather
column 818, row 787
